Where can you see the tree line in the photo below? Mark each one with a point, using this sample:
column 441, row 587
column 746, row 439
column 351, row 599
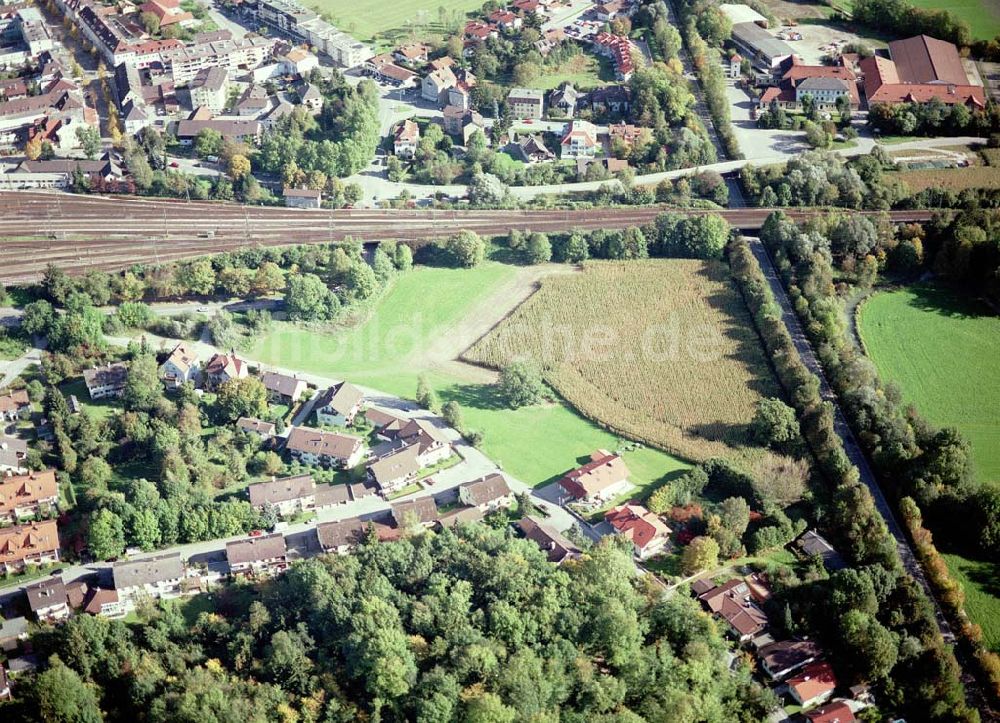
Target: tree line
column 473, row 625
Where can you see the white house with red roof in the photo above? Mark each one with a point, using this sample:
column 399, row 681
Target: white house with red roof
column 579, row 140
column 645, row 530
column 604, row 477
column 814, row 685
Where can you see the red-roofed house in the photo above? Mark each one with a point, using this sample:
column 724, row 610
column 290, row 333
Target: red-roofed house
column 642, row 528
column 814, row 685
column 838, row 712
column 579, row 140
column 602, row 478
column 168, row 12
column 505, row 19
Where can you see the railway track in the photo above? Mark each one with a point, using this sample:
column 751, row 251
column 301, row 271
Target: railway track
column 83, row 233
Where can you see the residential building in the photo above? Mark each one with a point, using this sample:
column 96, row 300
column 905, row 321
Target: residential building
column 13, row 455
column 645, row 530
column 824, row 83
column 296, row 61
column 455, row 517
column 619, row 49
column 781, row 659
column 608, row 11
column 733, row 603
column 735, row 66
column 387, row 424
column 235, row 129
column 303, row 197
column 625, row 133
column 330, row 495
column 180, row 367
column 12, row 632
column 223, row 367
column 405, row 139
column 811, row 544
column 342, row 536
column 392, row 472
column 432, row 445
column 565, row 99
column 412, row 53
column 611, row 99
column 762, row 49
column 579, row 140
column 104, row 602
column 505, row 19
column 526, row 102
column 27, row 495
column 32, row 543
column 158, row 577
column 814, row 685
column 434, row 87
column 918, row 70
column 461, row 123
column 486, row 493
column 531, row 149
column 310, row 96
column 549, row 539
column 257, row 556
column 605, row 476
column 460, row 96
column 264, row 430
column 421, row 511
column 839, row 712
column 107, row 381
column 59, row 172
column 283, row 388
column 292, row 19
column 445, row 62
column 384, row 70
column 210, row 89
column 168, row 12
column 327, row 449
column 338, row 405
column 183, row 63
column 47, row 600
column 288, row 495
column 14, row 405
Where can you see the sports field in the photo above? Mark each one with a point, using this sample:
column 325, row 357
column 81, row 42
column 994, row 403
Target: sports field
column 662, row 350
column 423, row 323
column 387, row 20
column 943, row 350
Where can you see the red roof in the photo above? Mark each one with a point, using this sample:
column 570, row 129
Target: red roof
column 637, row 524
column 814, row 680
column 838, row 712
column 889, row 82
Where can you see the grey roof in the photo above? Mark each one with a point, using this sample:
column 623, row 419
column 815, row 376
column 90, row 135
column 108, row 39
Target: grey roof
column 823, row 84
column 332, row 495
column 282, row 383
column 153, row 570
column 251, row 424
column 342, row 398
column 332, row 535
column 45, row 594
column 13, row 628
column 315, row 441
column 754, row 36
column 813, row 543
column 112, row 375
column 285, row 489
column 213, row 78
column 459, row 515
column 423, row 507
column 486, row 489
column 400, row 463
column 256, row 549
column 529, row 94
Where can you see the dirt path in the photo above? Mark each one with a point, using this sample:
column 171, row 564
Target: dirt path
column 444, row 355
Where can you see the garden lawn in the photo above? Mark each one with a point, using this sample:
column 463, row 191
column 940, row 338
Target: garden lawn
column 943, row 350
column 981, row 582
column 366, row 19
column 582, row 71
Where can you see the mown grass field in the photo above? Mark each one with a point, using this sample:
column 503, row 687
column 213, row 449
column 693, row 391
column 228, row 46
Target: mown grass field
column 583, row 71
column 981, row 582
column 662, row 350
column 374, row 20
column 983, row 16
column 943, row 350
column 388, row 351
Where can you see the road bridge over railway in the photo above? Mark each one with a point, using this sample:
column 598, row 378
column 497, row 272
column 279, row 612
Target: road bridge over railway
column 81, row 233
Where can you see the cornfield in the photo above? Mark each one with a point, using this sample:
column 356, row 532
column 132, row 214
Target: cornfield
column 662, row 351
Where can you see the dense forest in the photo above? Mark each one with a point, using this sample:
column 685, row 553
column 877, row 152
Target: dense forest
column 472, row 626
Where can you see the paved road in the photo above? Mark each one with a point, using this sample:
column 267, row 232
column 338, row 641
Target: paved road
column 843, row 429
